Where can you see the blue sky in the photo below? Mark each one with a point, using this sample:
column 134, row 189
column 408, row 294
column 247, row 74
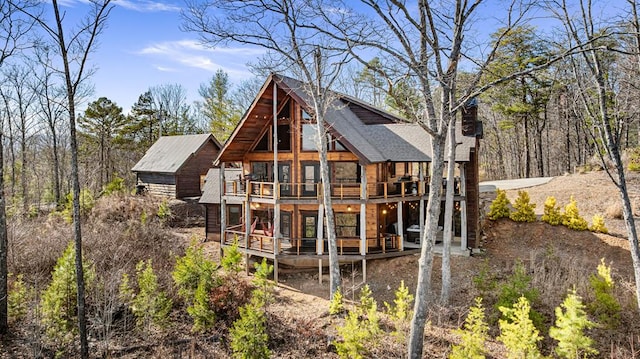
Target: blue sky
column 143, row 47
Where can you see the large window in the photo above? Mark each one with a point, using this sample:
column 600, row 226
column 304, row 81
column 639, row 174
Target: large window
column 309, row 225
column 234, row 215
column 345, row 172
column 309, row 137
column 347, row 224
column 284, row 138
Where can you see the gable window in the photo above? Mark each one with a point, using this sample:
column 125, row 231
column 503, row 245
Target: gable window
column 284, row 138
column 309, row 137
column 333, row 144
column 347, row 224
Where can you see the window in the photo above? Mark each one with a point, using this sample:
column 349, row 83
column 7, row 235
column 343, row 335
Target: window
column 345, row 172
column 310, row 177
column 284, row 138
column 347, row 224
column 309, row 137
column 263, row 144
column 234, row 214
column 262, row 171
column 309, row 225
column 333, row 144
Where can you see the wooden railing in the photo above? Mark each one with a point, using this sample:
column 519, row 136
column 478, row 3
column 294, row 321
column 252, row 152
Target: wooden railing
column 260, row 242
column 409, row 188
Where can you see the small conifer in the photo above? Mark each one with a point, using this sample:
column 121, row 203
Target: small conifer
column 361, row 327
column 473, row 336
column 597, row 224
column 569, row 329
column 518, row 333
column 523, row 208
column 571, row 217
column 336, row 305
column 552, row 214
column 249, row 338
column 18, row 298
column 149, row 305
column 232, row 259
column 605, row 307
column 499, row 208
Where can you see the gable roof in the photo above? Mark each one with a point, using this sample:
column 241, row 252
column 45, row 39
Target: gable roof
column 372, row 134
column 169, row 153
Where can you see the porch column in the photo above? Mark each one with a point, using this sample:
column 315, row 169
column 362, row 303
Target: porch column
column 400, row 225
column 463, row 207
column 223, row 207
column 247, row 227
column 421, row 216
column 363, row 229
column 320, row 230
column 363, row 182
column 276, row 239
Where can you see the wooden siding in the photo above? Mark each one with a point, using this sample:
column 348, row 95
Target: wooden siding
column 158, row 184
column 188, row 177
column 473, row 199
column 212, row 221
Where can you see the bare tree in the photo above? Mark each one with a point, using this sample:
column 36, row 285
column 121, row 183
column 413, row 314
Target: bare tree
column 282, row 27
column 13, row 30
column 595, row 89
column 74, row 47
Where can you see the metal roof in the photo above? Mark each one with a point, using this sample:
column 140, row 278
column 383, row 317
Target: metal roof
column 169, row 153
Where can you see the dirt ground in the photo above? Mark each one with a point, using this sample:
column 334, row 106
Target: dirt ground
column 303, row 299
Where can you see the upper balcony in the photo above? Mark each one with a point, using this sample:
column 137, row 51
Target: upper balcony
column 409, row 188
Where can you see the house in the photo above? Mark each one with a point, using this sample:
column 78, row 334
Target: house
column 211, row 199
column 175, row 166
column 379, row 169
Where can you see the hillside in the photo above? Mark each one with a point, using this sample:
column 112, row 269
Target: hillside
column 121, row 232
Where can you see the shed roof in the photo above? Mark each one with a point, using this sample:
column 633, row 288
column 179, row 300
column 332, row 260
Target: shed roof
column 169, row 153
column 211, row 189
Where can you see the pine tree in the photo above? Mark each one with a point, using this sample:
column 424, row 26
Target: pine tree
column 249, row 339
column 149, row 305
column 473, row 336
column 569, row 329
column 598, row 224
column 499, row 208
column 518, row 333
column 552, row 213
column 572, row 218
column 58, row 301
column 605, row 306
column 523, row 208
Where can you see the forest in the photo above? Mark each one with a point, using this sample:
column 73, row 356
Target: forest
column 555, row 83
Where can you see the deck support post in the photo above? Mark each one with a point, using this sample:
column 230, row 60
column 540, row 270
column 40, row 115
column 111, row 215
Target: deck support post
column 320, row 270
column 364, row 270
column 320, row 230
column 400, row 229
column 363, row 229
column 463, row 207
column 247, row 226
column 223, row 210
column 275, row 269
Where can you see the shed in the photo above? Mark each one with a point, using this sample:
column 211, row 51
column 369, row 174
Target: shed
column 175, row 166
column 211, row 199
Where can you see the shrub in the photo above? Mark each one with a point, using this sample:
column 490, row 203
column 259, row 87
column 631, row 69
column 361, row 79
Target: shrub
column 58, row 301
column 633, row 155
column 499, row 208
column 361, row 327
column 336, row 305
column 264, row 287
column 605, row 306
column 86, row 204
column 552, row 213
column 150, row 305
column 473, row 336
column 614, row 211
column 164, row 211
column 523, row 208
column 115, row 186
column 18, row 298
column 571, row 217
column 597, row 224
column 249, row 337
column 194, row 277
column 232, row 259
column 569, row 329
column 401, row 310
column 519, row 285
column 484, row 281
column 517, row 331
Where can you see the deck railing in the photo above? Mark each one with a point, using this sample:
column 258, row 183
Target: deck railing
column 260, row 242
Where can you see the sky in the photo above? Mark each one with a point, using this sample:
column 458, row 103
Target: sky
column 143, row 46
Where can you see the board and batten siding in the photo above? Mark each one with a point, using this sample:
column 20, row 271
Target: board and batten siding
column 212, row 221
column 188, row 178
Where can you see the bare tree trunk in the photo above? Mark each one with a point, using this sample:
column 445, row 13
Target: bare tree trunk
column 425, row 264
column 448, row 233
column 4, row 246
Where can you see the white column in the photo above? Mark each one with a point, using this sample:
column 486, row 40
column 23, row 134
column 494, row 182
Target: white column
column 400, row 224
column 463, row 207
column 363, row 229
column 421, row 215
column 320, row 230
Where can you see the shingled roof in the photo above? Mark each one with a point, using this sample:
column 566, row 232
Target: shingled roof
column 169, row 153
column 373, row 134
column 211, row 188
